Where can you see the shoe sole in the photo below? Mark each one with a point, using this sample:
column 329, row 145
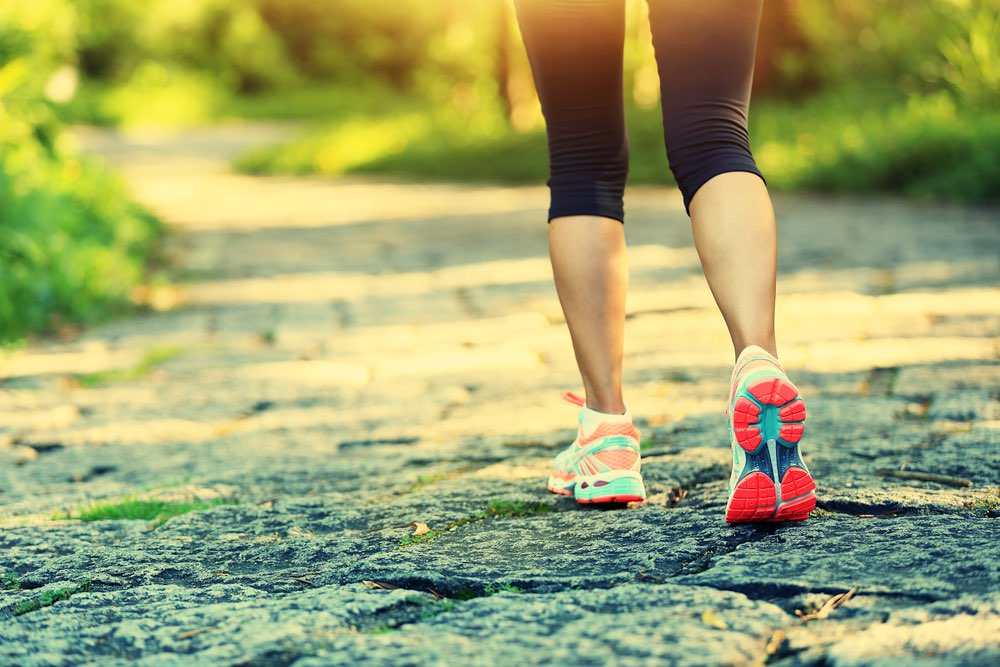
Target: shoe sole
column 617, row 486
column 768, row 423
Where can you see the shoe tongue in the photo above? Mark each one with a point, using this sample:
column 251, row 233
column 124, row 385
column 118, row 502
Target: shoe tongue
column 591, row 419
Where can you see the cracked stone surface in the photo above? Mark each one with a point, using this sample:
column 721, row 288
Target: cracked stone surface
column 347, row 358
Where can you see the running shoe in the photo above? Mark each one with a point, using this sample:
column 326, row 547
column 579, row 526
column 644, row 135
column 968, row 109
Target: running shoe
column 770, row 481
column 602, row 464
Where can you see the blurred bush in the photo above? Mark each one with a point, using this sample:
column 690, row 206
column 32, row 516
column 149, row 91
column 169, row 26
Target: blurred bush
column 71, row 243
column 850, row 95
column 927, row 147
column 870, row 93
column 911, row 47
column 227, row 40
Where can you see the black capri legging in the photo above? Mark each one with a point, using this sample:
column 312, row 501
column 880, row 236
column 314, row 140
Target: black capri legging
column 704, row 54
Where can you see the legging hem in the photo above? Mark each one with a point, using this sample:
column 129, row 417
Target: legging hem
column 596, row 210
column 692, row 189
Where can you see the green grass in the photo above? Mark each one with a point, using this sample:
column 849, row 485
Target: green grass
column 499, row 507
column 49, row 598
column 469, row 593
column 431, row 607
column 133, row 508
column 429, row 479
column 10, row 582
column 518, row 508
column 861, row 140
column 501, row 588
column 410, row 540
column 151, row 360
column 439, row 607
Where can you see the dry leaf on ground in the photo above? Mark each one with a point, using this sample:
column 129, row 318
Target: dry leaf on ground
column 836, row 601
column 192, row 633
column 709, row 617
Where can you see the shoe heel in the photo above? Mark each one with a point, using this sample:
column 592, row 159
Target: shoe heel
column 619, row 486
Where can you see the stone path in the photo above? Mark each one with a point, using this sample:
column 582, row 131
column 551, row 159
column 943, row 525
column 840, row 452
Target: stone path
column 344, row 359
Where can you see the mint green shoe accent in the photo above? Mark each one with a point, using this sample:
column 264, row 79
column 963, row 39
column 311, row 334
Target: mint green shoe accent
column 617, row 486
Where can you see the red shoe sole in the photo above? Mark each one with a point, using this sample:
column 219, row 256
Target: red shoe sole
column 755, row 498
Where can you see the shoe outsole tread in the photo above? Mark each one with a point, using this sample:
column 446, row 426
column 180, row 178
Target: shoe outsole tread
column 775, row 485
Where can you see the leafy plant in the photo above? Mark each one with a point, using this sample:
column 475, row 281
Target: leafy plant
column 72, row 243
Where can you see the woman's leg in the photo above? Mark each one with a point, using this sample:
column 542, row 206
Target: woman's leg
column 591, row 275
column 575, row 50
column 736, row 239
column 705, row 55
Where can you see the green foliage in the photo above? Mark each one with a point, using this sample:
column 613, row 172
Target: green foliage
column 228, row 41
column 849, row 140
column 133, row 508
column 972, row 59
column 913, row 47
column 315, row 102
column 355, row 40
column 72, row 244
column 407, row 138
column 182, row 62
column 177, row 62
column 49, row 598
column 924, row 146
column 908, row 101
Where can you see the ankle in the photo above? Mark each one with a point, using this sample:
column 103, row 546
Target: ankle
column 608, row 409
column 606, row 399
column 607, row 406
